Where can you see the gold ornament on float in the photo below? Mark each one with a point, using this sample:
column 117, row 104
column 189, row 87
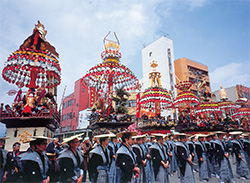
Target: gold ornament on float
column 24, row 137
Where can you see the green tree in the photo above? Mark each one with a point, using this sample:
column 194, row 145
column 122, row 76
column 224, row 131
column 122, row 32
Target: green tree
column 121, row 100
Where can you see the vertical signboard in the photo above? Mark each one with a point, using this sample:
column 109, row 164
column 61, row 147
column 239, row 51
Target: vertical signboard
column 138, row 105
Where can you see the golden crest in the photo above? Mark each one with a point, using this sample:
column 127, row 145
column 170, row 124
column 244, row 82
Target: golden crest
column 25, row 136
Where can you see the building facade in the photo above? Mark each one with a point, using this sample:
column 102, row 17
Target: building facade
column 161, row 51
column 72, row 104
column 234, row 93
column 188, row 70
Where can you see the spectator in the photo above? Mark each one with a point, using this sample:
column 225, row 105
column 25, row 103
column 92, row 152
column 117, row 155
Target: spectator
column 162, row 121
column 144, row 116
column 113, row 117
column 50, row 97
column 18, row 109
column 12, row 169
column 86, row 147
column 8, row 109
column 44, row 108
column 169, row 119
column 94, row 115
column 54, row 146
column 188, row 116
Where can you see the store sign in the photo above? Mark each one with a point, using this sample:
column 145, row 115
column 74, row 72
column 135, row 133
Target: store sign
column 83, row 119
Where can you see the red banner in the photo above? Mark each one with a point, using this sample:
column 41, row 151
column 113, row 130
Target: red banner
column 92, row 96
column 138, row 105
column 157, row 109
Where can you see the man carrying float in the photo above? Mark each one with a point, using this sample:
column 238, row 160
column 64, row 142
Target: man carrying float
column 126, row 158
column 238, row 149
column 99, row 161
column 160, row 159
column 70, row 161
column 184, row 160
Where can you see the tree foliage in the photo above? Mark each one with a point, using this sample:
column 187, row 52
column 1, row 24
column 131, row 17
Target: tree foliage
column 121, row 100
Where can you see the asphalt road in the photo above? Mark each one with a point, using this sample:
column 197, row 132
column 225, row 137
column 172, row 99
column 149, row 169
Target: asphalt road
column 175, row 178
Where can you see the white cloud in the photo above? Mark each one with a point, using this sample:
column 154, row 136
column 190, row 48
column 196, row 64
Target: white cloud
column 77, row 28
column 196, row 4
column 77, row 31
column 230, row 75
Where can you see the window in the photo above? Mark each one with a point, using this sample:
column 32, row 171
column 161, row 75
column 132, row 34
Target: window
column 64, row 117
column 65, row 105
column 192, row 79
column 15, row 133
column 150, row 54
column 70, row 102
column 169, row 60
column 171, row 78
column 172, row 88
column 34, row 133
column 244, row 94
column 170, row 68
column 70, row 115
column 131, row 103
column 83, row 90
column 248, row 96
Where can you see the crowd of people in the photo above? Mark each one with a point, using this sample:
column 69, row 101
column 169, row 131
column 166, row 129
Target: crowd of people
column 161, row 120
column 95, row 116
column 213, row 122
column 128, row 157
column 33, row 103
column 187, row 121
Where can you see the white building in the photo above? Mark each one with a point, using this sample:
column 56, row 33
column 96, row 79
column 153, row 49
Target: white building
column 161, row 51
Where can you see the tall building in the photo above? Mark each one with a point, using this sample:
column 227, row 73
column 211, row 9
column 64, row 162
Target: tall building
column 234, row 93
column 188, row 70
column 161, row 51
column 72, row 104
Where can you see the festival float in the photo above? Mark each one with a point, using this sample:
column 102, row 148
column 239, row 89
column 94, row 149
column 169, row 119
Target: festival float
column 103, row 80
column 185, row 102
column 154, row 100
column 35, row 70
column 242, row 113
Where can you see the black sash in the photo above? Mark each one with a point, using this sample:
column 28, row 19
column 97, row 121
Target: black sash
column 161, row 148
column 1, row 159
column 77, row 157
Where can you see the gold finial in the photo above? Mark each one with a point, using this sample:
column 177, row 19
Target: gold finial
column 112, row 45
column 41, row 29
column 111, row 50
column 154, row 77
column 154, row 64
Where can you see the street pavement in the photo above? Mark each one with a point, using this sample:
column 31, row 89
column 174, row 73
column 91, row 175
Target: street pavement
column 175, row 178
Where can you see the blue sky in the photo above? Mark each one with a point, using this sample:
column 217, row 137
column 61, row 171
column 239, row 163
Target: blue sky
column 213, row 32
